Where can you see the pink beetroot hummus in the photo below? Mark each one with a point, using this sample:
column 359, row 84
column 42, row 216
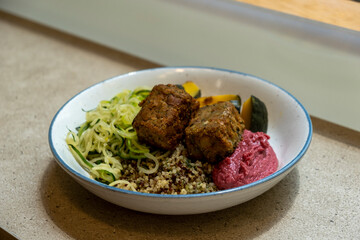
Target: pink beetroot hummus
column 252, row 160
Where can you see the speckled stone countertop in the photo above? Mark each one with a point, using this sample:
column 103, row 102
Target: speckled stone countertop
column 40, row 69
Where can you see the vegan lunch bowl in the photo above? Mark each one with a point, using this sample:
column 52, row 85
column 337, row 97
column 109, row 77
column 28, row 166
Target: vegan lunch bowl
column 180, row 140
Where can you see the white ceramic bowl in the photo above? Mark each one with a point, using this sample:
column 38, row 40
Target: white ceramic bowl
column 289, row 127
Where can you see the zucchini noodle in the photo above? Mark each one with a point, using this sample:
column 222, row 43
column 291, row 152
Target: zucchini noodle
column 106, row 139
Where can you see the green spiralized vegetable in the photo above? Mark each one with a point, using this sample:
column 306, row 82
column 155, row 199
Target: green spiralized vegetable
column 106, row 139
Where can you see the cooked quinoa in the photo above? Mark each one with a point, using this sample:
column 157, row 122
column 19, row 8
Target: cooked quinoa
column 176, row 175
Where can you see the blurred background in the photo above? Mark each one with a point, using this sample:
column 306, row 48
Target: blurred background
column 310, row 48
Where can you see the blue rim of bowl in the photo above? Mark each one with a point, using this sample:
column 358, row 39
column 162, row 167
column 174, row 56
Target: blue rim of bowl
column 155, row 195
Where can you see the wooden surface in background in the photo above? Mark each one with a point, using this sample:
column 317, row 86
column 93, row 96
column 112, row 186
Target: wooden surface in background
column 342, row 13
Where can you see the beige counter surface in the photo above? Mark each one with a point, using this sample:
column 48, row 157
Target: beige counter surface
column 41, row 68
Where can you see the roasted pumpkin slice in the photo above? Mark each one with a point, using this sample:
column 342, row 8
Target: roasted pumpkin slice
column 255, row 115
column 234, row 99
column 191, row 88
column 246, row 113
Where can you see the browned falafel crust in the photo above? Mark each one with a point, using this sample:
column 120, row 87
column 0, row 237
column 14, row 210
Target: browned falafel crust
column 164, row 115
column 214, row 132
